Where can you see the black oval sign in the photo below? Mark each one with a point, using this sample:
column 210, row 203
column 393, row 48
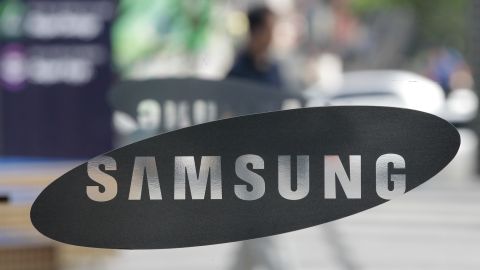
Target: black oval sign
column 245, row 177
column 231, row 97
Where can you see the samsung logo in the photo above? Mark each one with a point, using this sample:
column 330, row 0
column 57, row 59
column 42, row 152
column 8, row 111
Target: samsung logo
column 245, row 177
column 248, row 169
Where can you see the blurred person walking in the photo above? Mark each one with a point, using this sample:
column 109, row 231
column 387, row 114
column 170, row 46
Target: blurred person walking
column 254, row 63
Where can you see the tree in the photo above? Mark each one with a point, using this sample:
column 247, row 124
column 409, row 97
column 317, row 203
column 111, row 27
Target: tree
column 439, row 22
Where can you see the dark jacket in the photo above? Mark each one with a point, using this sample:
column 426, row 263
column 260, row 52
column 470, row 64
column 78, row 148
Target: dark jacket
column 244, row 68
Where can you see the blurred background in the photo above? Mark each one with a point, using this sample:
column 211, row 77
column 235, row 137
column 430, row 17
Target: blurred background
column 63, row 63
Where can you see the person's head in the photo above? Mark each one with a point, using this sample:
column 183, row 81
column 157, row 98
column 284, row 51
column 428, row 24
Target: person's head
column 261, row 24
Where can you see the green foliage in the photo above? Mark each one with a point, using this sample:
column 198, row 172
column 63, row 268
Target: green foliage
column 146, row 27
column 439, row 22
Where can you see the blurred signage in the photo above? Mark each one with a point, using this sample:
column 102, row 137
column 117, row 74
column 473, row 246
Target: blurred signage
column 54, row 74
column 146, row 108
column 245, row 177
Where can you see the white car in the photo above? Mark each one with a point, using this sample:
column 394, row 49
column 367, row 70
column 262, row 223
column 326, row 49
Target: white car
column 399, row 89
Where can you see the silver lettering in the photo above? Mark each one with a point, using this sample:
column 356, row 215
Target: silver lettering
column 382, row 175
column 141, row 166
column 334, row 169
column 198, row 184
column 255, row 180
column 108, row 182
column 285, row 177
